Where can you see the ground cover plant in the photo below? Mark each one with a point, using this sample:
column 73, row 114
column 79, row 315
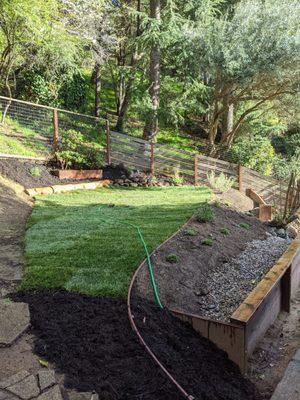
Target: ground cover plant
column 77, row 241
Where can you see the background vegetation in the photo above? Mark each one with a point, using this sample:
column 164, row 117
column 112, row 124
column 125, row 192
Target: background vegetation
column 218, row 76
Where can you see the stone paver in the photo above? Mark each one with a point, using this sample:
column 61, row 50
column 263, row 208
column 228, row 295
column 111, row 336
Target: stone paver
column 14, row 320
column 24, row 386
column 4, row 395
column 12, row 380
column 25, row 389
column 297, row 356
column 289, row 387
column 52, row 394
column 46, row 378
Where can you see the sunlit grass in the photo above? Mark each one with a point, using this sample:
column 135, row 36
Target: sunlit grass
column 75, row 241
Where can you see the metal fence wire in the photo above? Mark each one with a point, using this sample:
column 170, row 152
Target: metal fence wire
column 35, row 124
column 48, row 128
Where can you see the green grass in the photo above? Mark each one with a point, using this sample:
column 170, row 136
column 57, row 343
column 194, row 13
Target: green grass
column 73, row 242
column 27, row 145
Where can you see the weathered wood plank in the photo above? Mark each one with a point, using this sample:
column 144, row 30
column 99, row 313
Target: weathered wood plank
column 255, row 298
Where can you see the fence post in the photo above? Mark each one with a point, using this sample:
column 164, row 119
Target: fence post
column 196, row 173
column 152, row 167
column 107, row 142
column 240, row 177
column 55, row 131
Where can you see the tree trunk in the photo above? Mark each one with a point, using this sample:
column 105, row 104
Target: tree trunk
column 97, row 90
column 151, row 125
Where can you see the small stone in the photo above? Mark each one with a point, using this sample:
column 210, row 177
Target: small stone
column 14, row 320
column 46, row 378
column 25, row 389
column 134, row 184
column 14, row 379
column 281, row 233
column 52, row 394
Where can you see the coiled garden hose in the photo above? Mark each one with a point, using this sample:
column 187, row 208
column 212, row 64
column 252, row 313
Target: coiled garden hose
column 148, row 256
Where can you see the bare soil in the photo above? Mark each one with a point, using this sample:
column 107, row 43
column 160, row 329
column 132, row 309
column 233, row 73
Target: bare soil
column 22, row 172
column 269, row 361
column 90, row 341
column 185, row 284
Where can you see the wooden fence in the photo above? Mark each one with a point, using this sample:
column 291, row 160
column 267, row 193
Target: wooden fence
column 194, row 168
column 48, row 125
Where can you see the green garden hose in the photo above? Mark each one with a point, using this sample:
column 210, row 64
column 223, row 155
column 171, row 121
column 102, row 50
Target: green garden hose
column 148, row 257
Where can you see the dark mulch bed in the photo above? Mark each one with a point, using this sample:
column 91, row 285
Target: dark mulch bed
column 22, row 172
column 90, row 340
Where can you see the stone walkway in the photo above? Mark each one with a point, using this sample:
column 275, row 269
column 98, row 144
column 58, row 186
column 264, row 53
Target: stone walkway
column 21, row 374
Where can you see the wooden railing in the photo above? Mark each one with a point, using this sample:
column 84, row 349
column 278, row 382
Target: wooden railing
column 158, row 159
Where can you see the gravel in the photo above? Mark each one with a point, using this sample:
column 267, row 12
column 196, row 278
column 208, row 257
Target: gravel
column 227, row 286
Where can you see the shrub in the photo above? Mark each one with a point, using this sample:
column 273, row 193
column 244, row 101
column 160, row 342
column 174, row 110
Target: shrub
column 205, row 213
column 254, row 152
column 245, row 225
column 76, row 152
column 177, row 179
column 207, row 242
column 221, row 183
column 225, row 231
column 172, row 258
column 191, row 232
column 35, row 171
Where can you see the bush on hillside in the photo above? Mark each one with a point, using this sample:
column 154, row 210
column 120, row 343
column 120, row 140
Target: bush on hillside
column 255, row 152
column 76, row 152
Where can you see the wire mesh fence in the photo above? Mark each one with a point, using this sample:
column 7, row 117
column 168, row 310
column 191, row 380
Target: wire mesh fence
column 33, row 129
column 28, row 128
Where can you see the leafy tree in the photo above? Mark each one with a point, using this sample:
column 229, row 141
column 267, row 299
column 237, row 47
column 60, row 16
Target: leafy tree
column 246, row 66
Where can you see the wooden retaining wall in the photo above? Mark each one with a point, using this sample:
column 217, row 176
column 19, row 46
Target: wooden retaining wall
column 256, row 314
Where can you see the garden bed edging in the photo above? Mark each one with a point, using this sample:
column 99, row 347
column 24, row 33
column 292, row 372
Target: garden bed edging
column 255, row 315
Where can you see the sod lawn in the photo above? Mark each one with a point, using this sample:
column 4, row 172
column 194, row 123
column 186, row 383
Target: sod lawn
column 78, row 240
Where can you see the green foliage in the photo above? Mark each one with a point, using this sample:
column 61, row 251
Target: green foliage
column 221, row 183
column 177, row 179
column 225, row 231
column 207, row 242
column 73, row 93
column 172, row 258
column 78, row 152
column 35, row 87
column 191, row 232
column 254, row 152
column 35, row 171
column 244, row 225
column 205, row 213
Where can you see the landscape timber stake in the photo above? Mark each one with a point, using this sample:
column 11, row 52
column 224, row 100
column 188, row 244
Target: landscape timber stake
column 107, row 142
column 152, row 168
column 240, row 175
column 56, row 131
column 196, row 165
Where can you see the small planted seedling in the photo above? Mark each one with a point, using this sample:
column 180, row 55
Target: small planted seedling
column 205, row 213
column 35, row 171
column 172, row 258
column 207, row 242
column 244, row 225
column 191, row 232
column 225, row 231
